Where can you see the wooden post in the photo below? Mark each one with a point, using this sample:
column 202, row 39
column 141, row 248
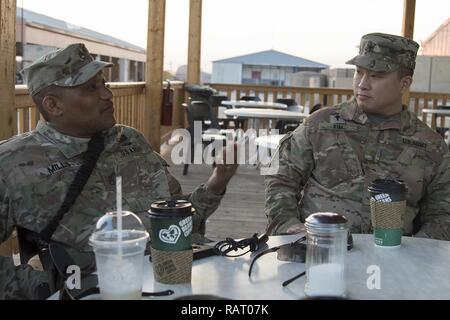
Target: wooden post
column 409, row 10
column 195, row 39
column 7, row 67
column 154, row 72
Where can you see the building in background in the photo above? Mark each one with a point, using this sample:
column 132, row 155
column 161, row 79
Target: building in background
column 38, row 34
column 306, row 79
column 432, row 72
column 438, row 43
column 181, row 75
column 269, row 67
column 341, row 78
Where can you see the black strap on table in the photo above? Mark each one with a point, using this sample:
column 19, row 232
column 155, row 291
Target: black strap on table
column 224, row 247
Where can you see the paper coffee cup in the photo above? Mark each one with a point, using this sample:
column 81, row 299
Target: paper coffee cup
column 171, row 243
column 387, row 208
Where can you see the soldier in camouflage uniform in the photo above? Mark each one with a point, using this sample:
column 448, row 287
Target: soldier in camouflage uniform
column 37, row 168
column 329, row 161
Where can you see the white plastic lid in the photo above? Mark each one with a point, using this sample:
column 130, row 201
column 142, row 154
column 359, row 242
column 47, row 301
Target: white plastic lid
column 106, row 232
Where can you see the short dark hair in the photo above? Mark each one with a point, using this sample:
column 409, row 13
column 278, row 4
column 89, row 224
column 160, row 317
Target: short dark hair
column 404, row 72
column 38, row 98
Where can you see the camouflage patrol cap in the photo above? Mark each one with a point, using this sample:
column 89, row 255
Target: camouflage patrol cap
column 386, row 52
column 68, row 67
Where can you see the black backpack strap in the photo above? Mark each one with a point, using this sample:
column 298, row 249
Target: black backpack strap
column 95, row 148
column 53, row 256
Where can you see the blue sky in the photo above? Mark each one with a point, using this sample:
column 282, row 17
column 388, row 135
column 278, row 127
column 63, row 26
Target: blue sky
column 326, row 31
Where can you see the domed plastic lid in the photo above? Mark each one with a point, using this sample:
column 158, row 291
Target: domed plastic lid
column 171, row 207
column 106, row 230
column 326, row 220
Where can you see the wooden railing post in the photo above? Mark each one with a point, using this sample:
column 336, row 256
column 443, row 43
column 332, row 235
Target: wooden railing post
column 409, row 10
column 195, row 37
column 7, row 67
column 154, row 72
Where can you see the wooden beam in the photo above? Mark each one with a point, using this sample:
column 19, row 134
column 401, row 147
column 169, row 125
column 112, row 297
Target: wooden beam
column 195, row 39
column 409, row 12
column 154, row 72
column 7, row 66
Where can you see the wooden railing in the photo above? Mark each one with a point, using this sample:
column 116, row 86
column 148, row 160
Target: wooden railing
column 425, row 100
column 308, row 97
column 128, row 99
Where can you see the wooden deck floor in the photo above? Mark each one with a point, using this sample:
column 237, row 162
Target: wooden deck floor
column 241, row 212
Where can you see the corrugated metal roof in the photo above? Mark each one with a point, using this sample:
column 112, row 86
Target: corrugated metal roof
column 274, row 58
column 441, row 27
column 34, row 17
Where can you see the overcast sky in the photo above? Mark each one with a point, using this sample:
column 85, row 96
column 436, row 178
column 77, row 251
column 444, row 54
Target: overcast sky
column 325, row 31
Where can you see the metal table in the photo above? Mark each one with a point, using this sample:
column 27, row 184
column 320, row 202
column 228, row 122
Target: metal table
column 419, row 269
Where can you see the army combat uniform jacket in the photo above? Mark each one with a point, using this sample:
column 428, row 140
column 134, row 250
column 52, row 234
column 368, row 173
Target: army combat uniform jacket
column 328, row 162
column 36, row 170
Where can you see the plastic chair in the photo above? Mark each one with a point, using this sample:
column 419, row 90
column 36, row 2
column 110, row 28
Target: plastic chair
column 443, row 130
column 215, row 102
column 315, row 108
column 250, row 98
column 200, row 111
column 284, row 126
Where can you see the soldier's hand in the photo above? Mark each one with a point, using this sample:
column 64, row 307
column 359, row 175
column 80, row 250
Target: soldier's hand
column 224, row 170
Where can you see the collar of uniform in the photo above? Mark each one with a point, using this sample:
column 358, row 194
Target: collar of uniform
column 405, row 125
column 113, row 137
column 68, row 145
column 73, row 146
column 352, row 112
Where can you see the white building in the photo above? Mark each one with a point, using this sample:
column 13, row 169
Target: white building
column 269, row 67
column 432, row 74
column 341, row 78
column 38, row 34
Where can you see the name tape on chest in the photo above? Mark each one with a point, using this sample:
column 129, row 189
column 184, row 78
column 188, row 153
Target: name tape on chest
column 59, row 166
column 338, row 126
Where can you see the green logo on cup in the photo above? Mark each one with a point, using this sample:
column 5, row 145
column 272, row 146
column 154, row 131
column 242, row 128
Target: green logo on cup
column 173, row 233
column 170, row 235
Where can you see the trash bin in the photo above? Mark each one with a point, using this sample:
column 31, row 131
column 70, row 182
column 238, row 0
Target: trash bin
column 200, row 92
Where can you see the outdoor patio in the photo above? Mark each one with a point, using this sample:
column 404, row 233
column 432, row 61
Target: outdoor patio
column 241, row 212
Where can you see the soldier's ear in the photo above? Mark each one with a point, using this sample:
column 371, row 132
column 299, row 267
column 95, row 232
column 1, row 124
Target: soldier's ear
column 52, row 105
column 406, row 82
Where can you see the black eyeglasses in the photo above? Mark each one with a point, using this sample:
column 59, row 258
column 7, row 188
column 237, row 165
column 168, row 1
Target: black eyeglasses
column 293, row 252
column 223, row 248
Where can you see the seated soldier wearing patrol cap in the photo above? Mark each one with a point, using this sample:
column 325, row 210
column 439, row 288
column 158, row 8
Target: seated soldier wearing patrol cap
column 37, row 168
column 327, row 164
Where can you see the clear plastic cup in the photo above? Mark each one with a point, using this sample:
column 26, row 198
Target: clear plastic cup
column 120, row 263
